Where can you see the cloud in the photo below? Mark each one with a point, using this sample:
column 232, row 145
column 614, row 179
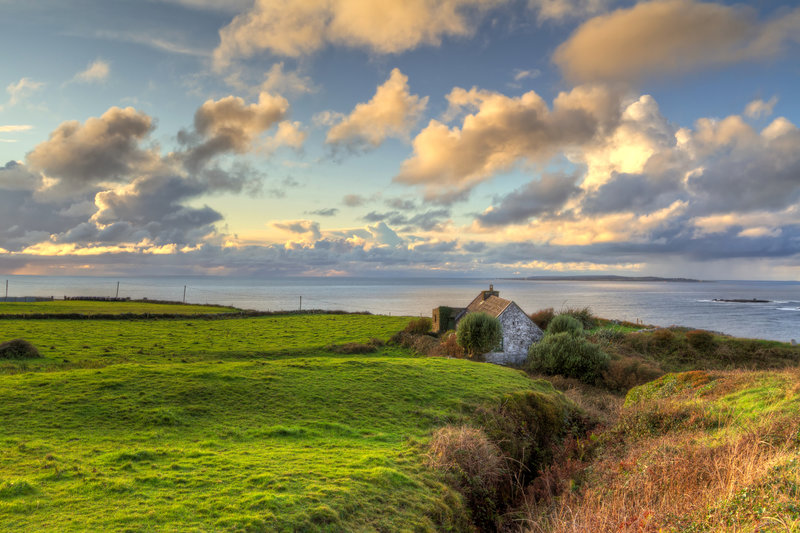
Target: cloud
column 231, row 125
column 15, row 127
column 501, row 132
column 104, row 183
column 325, row 212
column 301, row 227
column 213, row 5
column 559, row 10
column 294, row 28
column 353, row 200
column 276, row 80
column 520, row 74
column 759, row 108
column 540, row 197
column 105, row 148
column 392, row 112
column 432, row 220
column 157, row 42
column 668, row 37
column 19, row 91
column 97, row 71
column 400, row 203
column 288, row 134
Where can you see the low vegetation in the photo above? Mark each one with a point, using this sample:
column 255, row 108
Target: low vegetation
column 478, row 333
column 569, row 355
column 276, row 423
column 695, row 451
column 330, row 422
column 85, row 343
column 87, row 307
column 18, row 349
column 565, row 324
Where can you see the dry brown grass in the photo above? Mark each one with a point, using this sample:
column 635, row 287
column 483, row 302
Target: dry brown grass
column 671, row 478
column 475, row 467
column 449, row 347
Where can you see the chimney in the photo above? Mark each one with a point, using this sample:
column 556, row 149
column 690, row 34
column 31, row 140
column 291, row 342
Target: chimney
column 490, row 292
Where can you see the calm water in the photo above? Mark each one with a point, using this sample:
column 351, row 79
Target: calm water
column 664, row 304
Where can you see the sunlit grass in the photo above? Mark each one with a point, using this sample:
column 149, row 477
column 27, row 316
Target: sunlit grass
column 107, row 308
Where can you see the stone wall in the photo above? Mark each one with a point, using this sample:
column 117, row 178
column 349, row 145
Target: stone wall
column 519, row 332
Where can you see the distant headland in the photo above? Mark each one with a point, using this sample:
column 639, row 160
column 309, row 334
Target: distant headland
column 607, row 278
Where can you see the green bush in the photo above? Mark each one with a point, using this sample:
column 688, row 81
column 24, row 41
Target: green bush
column 479, row 333
column 18, row 349
column 609, row 335
column 583, row 314
column 420, row 326
column 543, row 317
column 569, row 355
column 700, row 340
column 565, row 323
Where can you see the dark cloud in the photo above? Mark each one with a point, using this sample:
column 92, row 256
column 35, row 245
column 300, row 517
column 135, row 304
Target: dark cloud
column 539, row 197
column 353, row 200
column 427, row 221
column 401, row 204
column 102, row 149
column 633, row 192
column 325, row 212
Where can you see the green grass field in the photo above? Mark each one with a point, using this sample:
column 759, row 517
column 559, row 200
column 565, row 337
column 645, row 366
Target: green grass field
column 230, row 425
column 107, row 308
column 81, row 343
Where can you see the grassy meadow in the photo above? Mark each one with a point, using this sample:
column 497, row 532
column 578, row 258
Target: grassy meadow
column 68, row 343
column 235, row 424
column 87, row 307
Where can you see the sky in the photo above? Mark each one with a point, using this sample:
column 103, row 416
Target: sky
column 386, row 138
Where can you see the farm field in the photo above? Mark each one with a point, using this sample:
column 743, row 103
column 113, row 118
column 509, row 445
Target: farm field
column 70, row 343
column 247, row 424
column 107, row 308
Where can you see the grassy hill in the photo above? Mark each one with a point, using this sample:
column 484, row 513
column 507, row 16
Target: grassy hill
column 239, row 424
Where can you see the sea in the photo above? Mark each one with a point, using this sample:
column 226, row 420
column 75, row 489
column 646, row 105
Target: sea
column 692, row 304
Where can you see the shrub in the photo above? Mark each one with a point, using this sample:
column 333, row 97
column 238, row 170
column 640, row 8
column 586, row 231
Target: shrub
column 583, row 314
column 475, row 466
column 569, row 355
column 419, row 326
column 663, row 336
column 478, row 333
column 448, row 346
column 565, row 323
column 543, row 317
column 356, row 347
column 628, row 372
column 421, row 344
column 18, row 349
column 700, row 340
column 609, row 335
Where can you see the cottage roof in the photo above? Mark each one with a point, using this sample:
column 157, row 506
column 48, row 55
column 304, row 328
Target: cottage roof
column 493, row 305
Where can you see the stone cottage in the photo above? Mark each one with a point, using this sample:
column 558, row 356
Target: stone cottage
column 519, row 331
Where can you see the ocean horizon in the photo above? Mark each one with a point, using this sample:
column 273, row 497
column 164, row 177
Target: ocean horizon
column 659, row 303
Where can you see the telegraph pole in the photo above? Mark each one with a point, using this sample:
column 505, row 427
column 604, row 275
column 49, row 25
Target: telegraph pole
column 117, row 295
column 301, row 303
column 184, row 294
column 6, row 289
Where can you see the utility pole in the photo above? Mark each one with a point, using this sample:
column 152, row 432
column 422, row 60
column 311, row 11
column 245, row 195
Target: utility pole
column 117, row 295
column 301, row 303
column 6, row 289
column 184, row 294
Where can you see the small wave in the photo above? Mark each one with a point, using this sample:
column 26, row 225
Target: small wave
column 788, row 308
column 704, row 301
